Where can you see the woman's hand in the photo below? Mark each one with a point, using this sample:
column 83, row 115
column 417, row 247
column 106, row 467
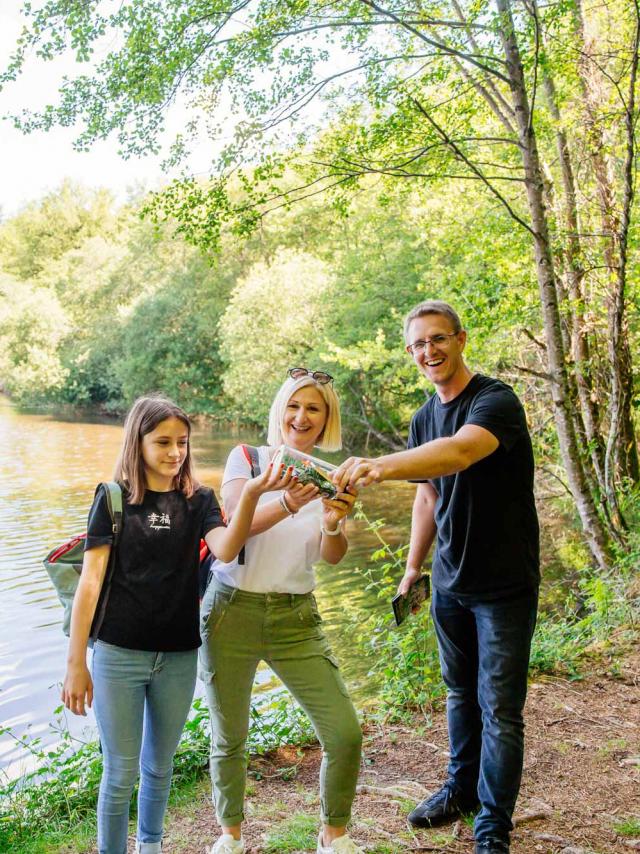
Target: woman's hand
column 300, row 494
column 273, row 478
column 77, row 689
column 335, row 509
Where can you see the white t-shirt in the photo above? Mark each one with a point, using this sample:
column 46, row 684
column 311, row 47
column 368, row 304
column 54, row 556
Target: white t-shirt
column 281, row 559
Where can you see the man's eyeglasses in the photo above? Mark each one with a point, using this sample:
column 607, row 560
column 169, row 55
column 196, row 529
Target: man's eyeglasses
column 437, row 340
column 319, row 376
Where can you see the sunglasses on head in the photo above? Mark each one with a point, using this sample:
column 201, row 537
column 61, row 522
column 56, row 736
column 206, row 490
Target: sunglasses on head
column 319, row 376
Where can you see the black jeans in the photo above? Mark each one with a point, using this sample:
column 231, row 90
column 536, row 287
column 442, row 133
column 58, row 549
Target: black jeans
column 484, row 655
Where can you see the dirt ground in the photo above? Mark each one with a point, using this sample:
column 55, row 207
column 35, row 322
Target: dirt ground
column 580, row 791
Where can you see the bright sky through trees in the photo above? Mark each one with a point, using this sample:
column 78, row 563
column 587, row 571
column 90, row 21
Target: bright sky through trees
column 32, row 165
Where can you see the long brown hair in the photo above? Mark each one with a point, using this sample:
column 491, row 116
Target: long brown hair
column 143, row 417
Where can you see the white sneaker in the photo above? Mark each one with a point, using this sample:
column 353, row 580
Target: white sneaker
column 341, row 845
column 228, row 845
column 148, row 847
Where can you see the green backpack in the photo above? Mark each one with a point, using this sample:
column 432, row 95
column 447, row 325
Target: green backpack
column 64, row 563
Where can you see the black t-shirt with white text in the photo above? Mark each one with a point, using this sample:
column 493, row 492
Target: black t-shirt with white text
column 153, row 600
column 487, row 544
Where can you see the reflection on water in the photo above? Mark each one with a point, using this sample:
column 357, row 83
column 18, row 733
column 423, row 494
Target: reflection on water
column 49, row 472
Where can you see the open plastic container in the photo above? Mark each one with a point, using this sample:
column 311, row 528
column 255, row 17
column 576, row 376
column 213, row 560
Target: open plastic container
column 307, row 469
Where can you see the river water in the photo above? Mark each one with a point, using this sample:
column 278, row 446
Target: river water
column 50, row 467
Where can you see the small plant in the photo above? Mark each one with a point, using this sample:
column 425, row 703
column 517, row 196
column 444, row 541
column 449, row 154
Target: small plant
column 297, row 833
column 628, row 826
column 278, row 720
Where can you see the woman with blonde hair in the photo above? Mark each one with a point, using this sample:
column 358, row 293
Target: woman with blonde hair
column 261, row 607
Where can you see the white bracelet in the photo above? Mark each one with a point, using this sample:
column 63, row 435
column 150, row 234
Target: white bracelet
column 285, row 506
column 335, row 533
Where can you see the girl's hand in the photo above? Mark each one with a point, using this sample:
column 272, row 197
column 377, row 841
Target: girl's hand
column 271, row 479
column 337, row 508
column 300, row 494
column 77, row 689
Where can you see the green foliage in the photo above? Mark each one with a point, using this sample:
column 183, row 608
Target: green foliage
column 276, row 314
column 596, row 616
column 59, row 797
column 373, row 97
column 585, row 623
column 132, row 308
column 404, row 659
column 44, row 231
column 32, row 326
column 278, row 720
column 180, row 354
column 60, row 794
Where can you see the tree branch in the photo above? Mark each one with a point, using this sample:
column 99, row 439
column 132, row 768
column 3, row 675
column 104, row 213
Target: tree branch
column 459, row 153
column 446, row 49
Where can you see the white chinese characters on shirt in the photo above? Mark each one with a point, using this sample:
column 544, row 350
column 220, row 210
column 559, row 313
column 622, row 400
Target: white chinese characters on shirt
column 159, row 521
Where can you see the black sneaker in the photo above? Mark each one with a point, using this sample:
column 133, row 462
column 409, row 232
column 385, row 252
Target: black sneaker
column 491, row 846
column 440, row 808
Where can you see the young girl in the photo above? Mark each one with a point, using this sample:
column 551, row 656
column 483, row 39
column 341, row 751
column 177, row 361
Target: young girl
column 144, row 660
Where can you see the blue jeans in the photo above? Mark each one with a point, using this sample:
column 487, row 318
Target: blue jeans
column 141, row 703
column 484, row 655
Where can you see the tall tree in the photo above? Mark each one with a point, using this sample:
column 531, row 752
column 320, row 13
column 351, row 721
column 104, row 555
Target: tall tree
column 538, row 105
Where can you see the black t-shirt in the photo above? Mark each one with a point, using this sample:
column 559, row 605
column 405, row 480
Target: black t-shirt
column 487, row 544
column 153, row 601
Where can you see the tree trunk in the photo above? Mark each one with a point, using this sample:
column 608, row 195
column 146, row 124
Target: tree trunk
column 622, row 447
column 574, row 272
column 595, row 532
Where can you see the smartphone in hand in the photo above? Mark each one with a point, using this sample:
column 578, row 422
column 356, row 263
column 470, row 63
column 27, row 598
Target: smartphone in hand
column 416, row 595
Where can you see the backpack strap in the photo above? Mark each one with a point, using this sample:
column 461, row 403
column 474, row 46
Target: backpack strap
column 252, row 457
column 113, row 494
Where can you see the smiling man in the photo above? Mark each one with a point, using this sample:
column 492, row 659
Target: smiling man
column 471, row 457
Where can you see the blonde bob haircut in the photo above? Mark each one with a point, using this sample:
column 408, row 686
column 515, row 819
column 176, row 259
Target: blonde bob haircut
column 330, row 438
column 144, row 416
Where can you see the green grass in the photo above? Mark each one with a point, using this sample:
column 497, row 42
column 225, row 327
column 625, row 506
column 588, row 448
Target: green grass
column 628, row 827
column 297, row 833
column 79, row 840
column 387, row 848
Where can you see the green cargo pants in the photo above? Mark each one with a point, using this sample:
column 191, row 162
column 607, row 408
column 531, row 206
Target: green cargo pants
column 239, row 629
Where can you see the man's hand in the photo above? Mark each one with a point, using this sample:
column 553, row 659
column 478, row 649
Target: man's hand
column 410, row 577
column 357, row 471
